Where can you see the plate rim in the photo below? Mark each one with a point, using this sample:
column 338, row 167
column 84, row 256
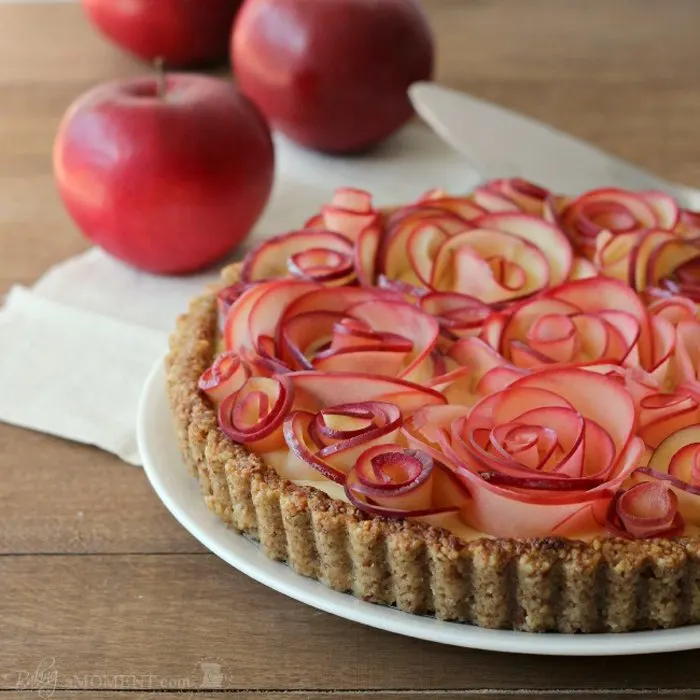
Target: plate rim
column 315, row 594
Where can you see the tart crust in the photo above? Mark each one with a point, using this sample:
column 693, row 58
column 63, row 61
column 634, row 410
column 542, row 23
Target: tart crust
column 536, row 585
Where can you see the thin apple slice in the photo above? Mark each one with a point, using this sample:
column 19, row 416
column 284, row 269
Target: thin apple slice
column 679, row 455
column 490, row 265
column 688, row 225
column 413, row 213
column 463, row 207
column 433, row 193
column 256, row 314
column 236, row 332
column 665, row 208
column 383, row 361
column 687, row 351
column 615, row 255
column 458, row 314
column 395, row 262
column 422, row 247
column 514, row 194
column 349, row 422
column 338, row 300
column 416, row 326
column 476, row 359
column 685, row 280
column 582, row 269
column 315, row 223
column 647, row 261
column 349, row 212
column 355, row 387
column 546, row 237
column 224, row 300
column 425, row 428
column 663, row 413
column 663, row 345
column 301, row 337
column 673, row 307
column 352, row 199
column 493, row 201
column 678, row 260
column 366, row 252
column 348, row 223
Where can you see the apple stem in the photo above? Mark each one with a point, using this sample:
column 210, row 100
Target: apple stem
column 160, row 74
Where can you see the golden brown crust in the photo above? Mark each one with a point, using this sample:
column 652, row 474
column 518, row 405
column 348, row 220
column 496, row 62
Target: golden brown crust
column 548, row 584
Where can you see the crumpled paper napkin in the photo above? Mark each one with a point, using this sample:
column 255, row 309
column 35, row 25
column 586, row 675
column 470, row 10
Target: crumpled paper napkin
column 76, row 348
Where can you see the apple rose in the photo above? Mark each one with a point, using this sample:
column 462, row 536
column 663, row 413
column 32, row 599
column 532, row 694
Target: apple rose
column 354, row 329
column 591, row 321
column 310, row 425
column 352, row 215
column 650, row 258
column 349, row 212
column 393, row 482
column 512, row 194
column 339, row 416
column 253, row 414
column 224, row 298
column 675, row 465
column 645, row 510
column 542, row 457
column 494, row 258
column 229, row 372
column 310, row 255
column 614, row 211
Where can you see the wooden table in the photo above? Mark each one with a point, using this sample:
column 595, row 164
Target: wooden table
column 101, row 591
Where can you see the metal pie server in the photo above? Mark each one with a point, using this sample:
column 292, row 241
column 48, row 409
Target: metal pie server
column 501, row 143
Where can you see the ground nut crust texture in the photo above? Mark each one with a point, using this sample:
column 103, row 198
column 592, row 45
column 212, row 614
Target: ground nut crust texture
column 549, row 584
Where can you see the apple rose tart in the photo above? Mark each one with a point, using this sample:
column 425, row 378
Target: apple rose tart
column 481, row 407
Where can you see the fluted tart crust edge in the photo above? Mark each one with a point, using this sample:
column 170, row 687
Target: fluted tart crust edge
column 547, row 584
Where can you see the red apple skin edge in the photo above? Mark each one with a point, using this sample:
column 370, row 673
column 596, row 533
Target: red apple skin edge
column 332, row 75
column 183, row 33
column 167, row 183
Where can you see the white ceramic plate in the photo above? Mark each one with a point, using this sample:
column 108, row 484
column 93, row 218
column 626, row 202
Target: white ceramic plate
column 180, row 494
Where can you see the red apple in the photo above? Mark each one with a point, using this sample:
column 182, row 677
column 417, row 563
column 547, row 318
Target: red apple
column 181, row 32
column 168, row 177
column 332, row 75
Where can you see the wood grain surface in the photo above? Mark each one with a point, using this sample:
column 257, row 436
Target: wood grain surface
column 102, row 594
